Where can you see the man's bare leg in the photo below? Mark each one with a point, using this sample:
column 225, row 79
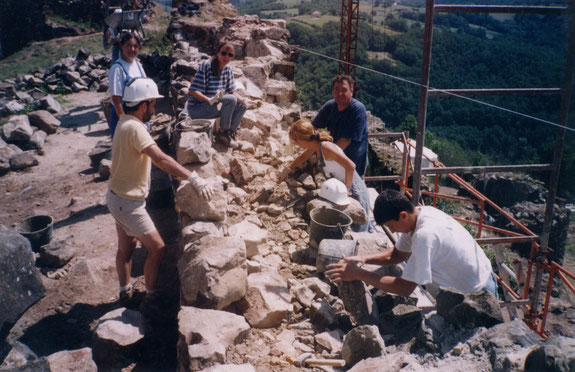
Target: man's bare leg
column 156, row 248
column 126, row 246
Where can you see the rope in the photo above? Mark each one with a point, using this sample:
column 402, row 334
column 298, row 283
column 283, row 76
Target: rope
column 440, row 90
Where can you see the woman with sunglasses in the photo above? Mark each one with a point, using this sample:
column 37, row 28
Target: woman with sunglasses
column 124, row 70
column 214, row 84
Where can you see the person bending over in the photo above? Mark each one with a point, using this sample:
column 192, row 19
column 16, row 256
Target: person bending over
column 436, row 249
column 333, row 160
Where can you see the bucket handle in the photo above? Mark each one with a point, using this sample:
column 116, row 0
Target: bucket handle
column 340, row 229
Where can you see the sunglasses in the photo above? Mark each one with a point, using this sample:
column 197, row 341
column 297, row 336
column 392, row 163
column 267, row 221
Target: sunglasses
column 226, row 54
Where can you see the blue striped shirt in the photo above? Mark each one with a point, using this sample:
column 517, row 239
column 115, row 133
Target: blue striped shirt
column 207, row 83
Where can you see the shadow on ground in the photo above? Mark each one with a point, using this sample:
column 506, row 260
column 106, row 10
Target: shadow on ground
column 64, row 331
column 83, row 215
column 81, row 116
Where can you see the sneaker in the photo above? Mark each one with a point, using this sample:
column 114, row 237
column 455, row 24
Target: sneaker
column 232, row 139
column 126, row 297
column 222, row 138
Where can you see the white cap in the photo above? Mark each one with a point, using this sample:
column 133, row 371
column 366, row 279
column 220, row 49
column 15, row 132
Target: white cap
column 335, row 191
column 140, row 89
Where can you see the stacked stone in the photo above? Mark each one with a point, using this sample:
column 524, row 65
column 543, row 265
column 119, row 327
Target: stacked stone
column 23, row 137
column 70, row 75
column 85, row 72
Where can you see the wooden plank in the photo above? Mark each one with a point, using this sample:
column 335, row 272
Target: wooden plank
column 500, row 259
column 489, row 169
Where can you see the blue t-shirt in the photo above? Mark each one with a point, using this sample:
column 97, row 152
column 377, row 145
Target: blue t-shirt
column 350, row 123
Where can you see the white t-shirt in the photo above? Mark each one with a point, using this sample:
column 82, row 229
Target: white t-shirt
column 444, row 253
column 332, row 168
column 117, row 76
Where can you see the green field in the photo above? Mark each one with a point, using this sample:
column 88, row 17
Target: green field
column 46, row 53
column 43, row 54
column 289, row 12
column 316, row 22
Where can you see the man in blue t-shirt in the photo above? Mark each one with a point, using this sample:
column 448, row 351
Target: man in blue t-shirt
column 346, row 119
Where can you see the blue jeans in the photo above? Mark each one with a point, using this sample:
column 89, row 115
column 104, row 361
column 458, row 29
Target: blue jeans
column 359, row 193
column 230, row 115
column 491, row 285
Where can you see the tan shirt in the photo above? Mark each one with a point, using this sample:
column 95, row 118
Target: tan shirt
column 130, row 174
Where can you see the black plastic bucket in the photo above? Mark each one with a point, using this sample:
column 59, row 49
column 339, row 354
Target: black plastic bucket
column 327, row 223
column 37, row 229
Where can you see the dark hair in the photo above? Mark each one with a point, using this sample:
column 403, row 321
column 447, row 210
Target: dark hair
column 389, row 204
column 137, row 106
column 125, row 36
column 341, row 79
column 215, row 62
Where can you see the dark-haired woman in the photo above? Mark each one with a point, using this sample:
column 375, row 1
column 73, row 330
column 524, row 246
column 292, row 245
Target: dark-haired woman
column 214, row 84
column 122, row 71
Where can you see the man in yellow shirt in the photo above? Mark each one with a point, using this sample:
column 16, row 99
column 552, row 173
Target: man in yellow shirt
column 133, row 152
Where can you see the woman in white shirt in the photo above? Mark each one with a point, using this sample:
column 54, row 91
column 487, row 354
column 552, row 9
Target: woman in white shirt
column 122, row 71
column 334, row 161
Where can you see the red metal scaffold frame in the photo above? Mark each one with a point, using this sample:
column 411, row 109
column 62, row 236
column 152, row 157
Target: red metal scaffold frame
column 348, row 37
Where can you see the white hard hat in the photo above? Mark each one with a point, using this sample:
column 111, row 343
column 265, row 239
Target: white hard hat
column 335, row 191
column 140, row 89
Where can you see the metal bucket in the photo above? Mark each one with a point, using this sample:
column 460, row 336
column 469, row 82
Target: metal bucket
column 332, row 251
column 327, row 223
column 37, row 229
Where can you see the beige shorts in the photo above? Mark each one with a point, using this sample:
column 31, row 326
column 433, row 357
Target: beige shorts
column 130, row 214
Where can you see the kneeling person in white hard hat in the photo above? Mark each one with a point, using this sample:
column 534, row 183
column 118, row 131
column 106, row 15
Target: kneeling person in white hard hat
column 335, row 164
column 133, row 152
column 436, row 248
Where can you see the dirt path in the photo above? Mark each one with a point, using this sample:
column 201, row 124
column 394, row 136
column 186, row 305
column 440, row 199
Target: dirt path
column 64, row 186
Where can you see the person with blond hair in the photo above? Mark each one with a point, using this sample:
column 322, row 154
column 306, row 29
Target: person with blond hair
column 213, row 84
column 333, row 160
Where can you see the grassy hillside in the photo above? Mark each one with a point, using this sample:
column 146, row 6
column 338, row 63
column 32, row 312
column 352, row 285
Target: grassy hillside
column 44, row 54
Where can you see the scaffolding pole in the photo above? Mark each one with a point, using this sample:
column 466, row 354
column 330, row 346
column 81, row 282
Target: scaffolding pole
column 348, row 37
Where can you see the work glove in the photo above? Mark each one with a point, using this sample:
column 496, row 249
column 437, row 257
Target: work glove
column 216, row 98
column 200, row 185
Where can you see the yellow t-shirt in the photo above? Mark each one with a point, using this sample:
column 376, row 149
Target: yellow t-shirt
column 130, row 173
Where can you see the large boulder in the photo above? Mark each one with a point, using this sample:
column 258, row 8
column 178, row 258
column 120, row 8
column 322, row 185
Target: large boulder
column 44, row 120
column 268, row 300
column 21, row 282
column 241, row 172
column 22, row 161
column 253, row 236
column 49, row 103
column 194, row 147
column 213, row 272
column 58, row 252
column 197, row 208
column 556, row 354
column 469, row 310
column 361, row 343
column 204, row 336
column 17, row 129
column 72, row 361
column 118, row 338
